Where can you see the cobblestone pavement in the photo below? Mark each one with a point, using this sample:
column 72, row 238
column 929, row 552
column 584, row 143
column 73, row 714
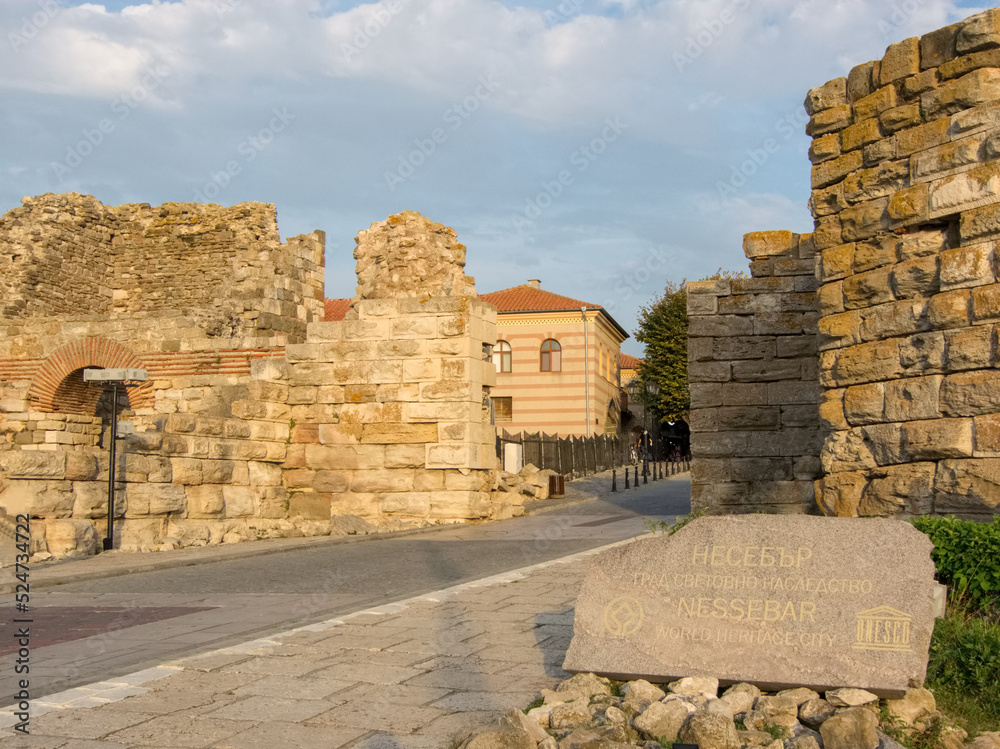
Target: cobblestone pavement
column 405, row 675
column 350, row 668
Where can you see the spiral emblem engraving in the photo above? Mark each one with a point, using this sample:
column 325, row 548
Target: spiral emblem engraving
column 623, row 616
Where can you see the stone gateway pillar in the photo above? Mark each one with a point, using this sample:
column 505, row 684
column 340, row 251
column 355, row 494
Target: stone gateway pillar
column 390, row 406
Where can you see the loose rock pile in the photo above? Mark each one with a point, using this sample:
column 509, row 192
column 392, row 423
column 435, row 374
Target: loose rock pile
column 530, row 483
column 591, row 712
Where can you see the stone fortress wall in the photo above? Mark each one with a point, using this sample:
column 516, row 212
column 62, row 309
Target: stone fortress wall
column 906, row 201
column 227, row 320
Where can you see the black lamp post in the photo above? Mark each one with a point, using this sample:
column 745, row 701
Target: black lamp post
column 116, row 377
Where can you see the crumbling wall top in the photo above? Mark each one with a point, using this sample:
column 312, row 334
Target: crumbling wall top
column 410, row 255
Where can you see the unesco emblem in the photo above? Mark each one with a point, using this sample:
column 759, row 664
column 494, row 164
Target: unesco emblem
column 623, row 616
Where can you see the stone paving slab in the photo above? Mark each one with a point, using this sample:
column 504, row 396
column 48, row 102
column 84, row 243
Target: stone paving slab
column 406, row 675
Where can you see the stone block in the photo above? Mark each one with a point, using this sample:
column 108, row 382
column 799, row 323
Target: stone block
column 970, row 486
column 785, row 323
column 766, row 370
column 864, row 220
column 987, row 429
column 709, row 371
column 894, row 319
column 922, row 353
column 81, row 466
column 332, row 482
column 866, row 362
column 859, row 134
column 789, row 442
column 345, row 457
column 933, row 439
column 921, row 137
column 970, row 189
column 238, row 501
column 826, row 173
column 916, row 277
column 868, row 289
column 885, row 443
column 938, row 46
column 204, row 501
column 909, row 205
column 796, row 346
column 824, row 148
column 705, row 394
column 829, row 120
column 904, row 488
column 946, row 158
column 839, row 494
column 970, row 393
column 836, row 262
column 847, row 450
column 831, row 409
column 385, row 480
column 186, row 471
column 901, row 60
column 968, row 348
column 263, row 474
column 791, row 392
column 407, row 504
column 399, row 433
column 744, row 394
column 859, row 82
column 974, row 88
column 309, row 506
column 747, row 347
column 70, row 537
column 986, row 303
column 981, row 31
column 828, row 200
column 950, row 309
column 733, row 418
column 897, row 118
column 912, row 398
column 717, row 326
column 761, row 244
column 154, row 499
column 881, row 150
column 33, row 464
column 980, row 222
column 717, row 444
column 90, row 500
column 864, row 404
column 967, row 266
column 449, row 456
column 874, row 253
column 827, row 233
column 830, row 94
column 875, row 103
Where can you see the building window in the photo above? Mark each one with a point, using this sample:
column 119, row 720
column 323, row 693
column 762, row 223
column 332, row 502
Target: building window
column 501, row 356
column 551, row 356
column 503, row 409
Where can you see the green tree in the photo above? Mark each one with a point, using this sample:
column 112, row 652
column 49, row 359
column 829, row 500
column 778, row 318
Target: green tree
column 663, row 328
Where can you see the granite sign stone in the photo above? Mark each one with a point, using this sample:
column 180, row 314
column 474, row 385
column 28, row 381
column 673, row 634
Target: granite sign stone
column 775, row 600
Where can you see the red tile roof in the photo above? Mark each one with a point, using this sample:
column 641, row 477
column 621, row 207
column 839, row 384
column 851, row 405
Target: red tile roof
column 335, row 309
column 630, row 362
column 528, row 298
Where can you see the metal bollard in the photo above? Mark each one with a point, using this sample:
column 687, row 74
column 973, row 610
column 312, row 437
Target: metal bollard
column 626, row 478
column 614, row 480
column 636, row 480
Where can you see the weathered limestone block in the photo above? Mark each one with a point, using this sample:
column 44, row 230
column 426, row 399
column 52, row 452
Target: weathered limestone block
column 154, row 499
column 839, row 494
column 894, row 319
column 904, row 488
column 830, row 94
column 968, row 348
column 967, row 486
column 829, row 120
column 70, row 537
column 912, row 398
column 950, row 309
column 967, row 266
column 769, row 243
column 238, row 501
column 204, row 501
column 847, row 451
column 977, row 32
column 971, row 189
column 922, row 353
column 40, row 499
column 309, row 506
column 33, row 464
column 970, row 393
column 865, row 404
column 932, row 439
column 399, row 433
column 916, row 277
column 986, row 303
column 90, row 500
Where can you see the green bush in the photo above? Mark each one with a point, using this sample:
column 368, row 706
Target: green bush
column 967, row 557
column 963, row 670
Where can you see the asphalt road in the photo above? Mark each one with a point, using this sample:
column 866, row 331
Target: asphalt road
column 92, row 630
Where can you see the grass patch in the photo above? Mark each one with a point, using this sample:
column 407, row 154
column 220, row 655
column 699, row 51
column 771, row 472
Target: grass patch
column 964, row 669
column 537, row 702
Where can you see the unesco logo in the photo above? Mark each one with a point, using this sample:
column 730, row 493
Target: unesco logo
column 623, row 616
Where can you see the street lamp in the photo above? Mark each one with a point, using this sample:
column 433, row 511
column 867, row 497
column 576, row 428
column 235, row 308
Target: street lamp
column 116, row 377
column 652, row 389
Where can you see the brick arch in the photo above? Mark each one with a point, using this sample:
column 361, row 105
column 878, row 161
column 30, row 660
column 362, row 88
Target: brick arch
column 53, row 390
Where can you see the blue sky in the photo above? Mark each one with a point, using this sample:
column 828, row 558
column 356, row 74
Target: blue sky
column 594, row 144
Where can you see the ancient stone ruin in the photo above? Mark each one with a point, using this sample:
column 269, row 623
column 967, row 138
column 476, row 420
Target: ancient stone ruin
column 258, row 418
column 872, row 377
